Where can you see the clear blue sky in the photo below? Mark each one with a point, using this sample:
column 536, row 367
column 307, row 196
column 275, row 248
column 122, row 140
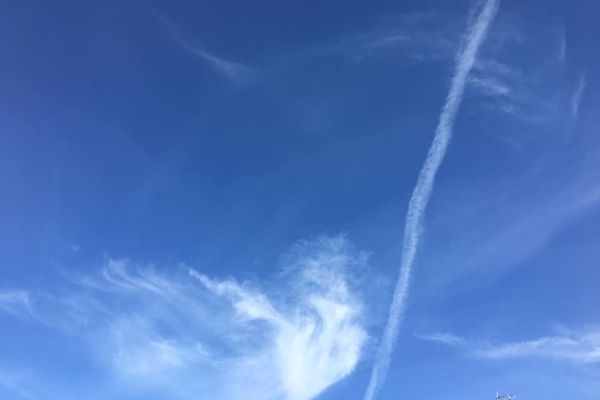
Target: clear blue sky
column 206, row 200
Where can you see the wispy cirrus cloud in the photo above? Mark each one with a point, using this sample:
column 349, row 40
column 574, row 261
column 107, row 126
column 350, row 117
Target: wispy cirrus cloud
column 517, row 93
column 576, row 347
column 487, row 257
column 234, row 71
column 577, row 96
column 443, row 337
column 16, row 302
column 531, row 89
column 183, row 332
column 417, row 36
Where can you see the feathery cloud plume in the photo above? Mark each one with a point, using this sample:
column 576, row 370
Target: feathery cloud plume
column 183, row 333
column 466, row 57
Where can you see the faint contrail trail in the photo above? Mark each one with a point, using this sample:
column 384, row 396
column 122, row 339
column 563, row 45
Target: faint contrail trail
column 475, row 35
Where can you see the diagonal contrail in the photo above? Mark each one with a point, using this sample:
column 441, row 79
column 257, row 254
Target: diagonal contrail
column 474, row 37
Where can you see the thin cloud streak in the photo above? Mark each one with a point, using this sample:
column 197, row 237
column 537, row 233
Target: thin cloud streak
column 507, row 89
column 234, row 71
column 444, row 338
column 578, row 96
column 488, row 258
column 466, row 57
column 580, row 348
column 419, row 36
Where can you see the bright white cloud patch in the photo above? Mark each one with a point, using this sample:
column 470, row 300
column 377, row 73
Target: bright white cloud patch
column 310, row 345
column 183, row 333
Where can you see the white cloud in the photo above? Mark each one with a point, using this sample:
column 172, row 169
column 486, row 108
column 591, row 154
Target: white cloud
column 418, row 36
column 311, row 345
column 445, row 338
column 16, row 302
column 581, row 347
column 138, row 351
column 531, row 89
column 183, row 332
column 482, row 258
column 230, row 69
column 491, row 86
column 500, row 87
column 578, row 95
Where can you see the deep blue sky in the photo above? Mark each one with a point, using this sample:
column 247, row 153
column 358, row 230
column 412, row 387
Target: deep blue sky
column 218, row 135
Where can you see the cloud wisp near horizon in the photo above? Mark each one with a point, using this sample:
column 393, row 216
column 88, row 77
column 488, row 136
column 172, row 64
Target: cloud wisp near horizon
column 184, row 333
column 465, row 60
column 580, row 347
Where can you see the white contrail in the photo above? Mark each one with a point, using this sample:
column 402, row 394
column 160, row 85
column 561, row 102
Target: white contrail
column 466, row 56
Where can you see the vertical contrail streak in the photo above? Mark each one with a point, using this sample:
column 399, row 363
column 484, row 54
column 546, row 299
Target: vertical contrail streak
column 475, row 35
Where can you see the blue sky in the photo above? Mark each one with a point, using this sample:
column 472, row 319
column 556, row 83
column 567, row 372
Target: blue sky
column 209, row 200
